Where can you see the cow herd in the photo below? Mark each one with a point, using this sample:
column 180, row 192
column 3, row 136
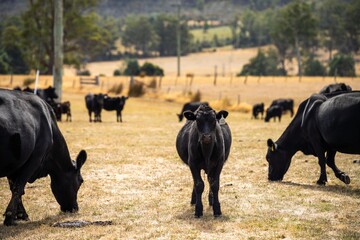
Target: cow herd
column 324, row 124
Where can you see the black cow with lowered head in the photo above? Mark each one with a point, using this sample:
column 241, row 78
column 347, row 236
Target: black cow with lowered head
column 323, row 125
column 335, row 87
column 273, row 112
column 285, row 104
column 257, row 109
column 94, row 104
column 204, row 143
column 190, row 106
column 115, row 104
column 31, row 151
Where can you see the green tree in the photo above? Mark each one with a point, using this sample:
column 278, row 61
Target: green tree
column 264, row 64
column 331, row 24
column 165, row 28
column 296, row 25
column 313, row 67
column 84, row 38
column 342, row 65
column 352, row 26
column 132, row 68
column 140, row 34
column 151, row 70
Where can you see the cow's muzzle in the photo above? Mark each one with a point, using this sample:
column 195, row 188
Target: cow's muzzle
column 206, row 138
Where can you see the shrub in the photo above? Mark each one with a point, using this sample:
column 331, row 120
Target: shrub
column 28, row 81
column 196, row 97
column 117, row 72
column 83, row 73
column 151, row 70
column 342, row 65
column 132, row 68
column 313, row 67
column 116, row 89
column 136, row 89
column 264, row 64
column 152, row 84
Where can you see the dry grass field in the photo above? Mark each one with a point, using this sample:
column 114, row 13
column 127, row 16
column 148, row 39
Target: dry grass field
column 134, row 178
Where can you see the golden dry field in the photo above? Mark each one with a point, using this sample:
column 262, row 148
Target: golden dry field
column 134, row 177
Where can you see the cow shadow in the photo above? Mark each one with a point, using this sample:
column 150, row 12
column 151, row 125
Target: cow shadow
column 23, row 226
column 337, row 189
column 207, row 222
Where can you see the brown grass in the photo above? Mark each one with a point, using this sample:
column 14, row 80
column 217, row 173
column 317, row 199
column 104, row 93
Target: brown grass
column 134, row 177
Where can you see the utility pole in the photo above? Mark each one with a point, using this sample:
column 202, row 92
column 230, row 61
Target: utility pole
column 58, row 47
column 178, row 36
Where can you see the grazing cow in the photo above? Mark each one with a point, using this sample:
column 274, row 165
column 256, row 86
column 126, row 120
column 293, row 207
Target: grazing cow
column 115, row 103
column 94, row 103
column 273, row 112
column 257, row 108
column 31, row 147
column 323, row 124
column 190, row 106
column 62, row 108
column 204, row 143
column 335, row 87
column 285, row 104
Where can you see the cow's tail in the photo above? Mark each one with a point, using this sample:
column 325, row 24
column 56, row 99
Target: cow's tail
column 312, row 104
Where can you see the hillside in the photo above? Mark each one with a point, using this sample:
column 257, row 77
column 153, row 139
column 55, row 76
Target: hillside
column 210, row 9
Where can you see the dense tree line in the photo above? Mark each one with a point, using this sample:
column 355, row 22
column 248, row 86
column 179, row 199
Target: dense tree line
column 297, row 29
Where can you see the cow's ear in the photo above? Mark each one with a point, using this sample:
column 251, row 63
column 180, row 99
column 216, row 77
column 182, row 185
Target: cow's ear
column 189, row 115
column 271, row 145
column 221, row 114
column 81, row 158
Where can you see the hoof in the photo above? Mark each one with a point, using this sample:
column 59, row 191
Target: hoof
column 9, row 221
column 198, row 215
column 321, row 182
column 22, row 217
column 345, row 178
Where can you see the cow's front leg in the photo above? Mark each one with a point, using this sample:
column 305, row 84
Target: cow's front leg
column 330, row 161
column 323, row 177
column 199, row 189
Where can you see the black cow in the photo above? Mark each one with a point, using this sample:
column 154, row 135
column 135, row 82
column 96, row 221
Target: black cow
column 47, row 94
column 190, row 106
column 273, row 112
column 204, row 143
column 94, row 104
column 115, row 103
column 335, row 87
column 257, row 108
column 285, row 104
column 31, row 151
column 62, row 108
column 323, row 124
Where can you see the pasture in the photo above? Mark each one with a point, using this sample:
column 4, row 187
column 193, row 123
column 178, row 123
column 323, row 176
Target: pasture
column 134, row 177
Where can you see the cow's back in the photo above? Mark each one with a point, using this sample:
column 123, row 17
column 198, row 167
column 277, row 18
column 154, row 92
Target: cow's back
column 25, row 122
column 338, row 120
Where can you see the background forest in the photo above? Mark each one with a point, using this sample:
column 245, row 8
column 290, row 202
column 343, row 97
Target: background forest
column 102, row 30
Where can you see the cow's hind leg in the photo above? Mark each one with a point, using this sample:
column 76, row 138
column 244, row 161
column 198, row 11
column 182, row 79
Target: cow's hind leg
column 11, row 213
column 323, row 177
column 330, row 161
column 21, row 212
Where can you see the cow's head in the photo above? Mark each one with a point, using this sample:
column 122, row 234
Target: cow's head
column 279, row 161
column 206, row 119
column 65, row 185
column 50, row 93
